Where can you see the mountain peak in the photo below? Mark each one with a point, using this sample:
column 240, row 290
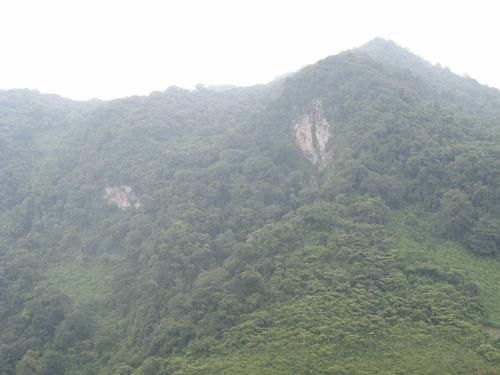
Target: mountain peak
column 380, row 43
column 389, row 51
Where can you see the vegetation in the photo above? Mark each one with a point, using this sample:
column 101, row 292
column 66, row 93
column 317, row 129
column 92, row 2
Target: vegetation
column 241, row 256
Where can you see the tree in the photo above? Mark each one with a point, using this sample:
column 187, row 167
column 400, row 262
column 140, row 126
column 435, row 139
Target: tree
column 456, row 215
column 31, row 364
column 484, row 238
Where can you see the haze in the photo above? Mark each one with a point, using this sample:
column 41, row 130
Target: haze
column 110, row 49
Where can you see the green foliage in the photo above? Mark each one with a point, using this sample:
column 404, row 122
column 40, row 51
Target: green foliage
column 485, row 237
column 30, row 364
column 456, row 214
column 242, row 257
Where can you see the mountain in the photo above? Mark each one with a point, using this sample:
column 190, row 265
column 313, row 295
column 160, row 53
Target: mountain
column 344, row 219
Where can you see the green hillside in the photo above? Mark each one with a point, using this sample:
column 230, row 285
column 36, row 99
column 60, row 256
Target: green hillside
column 342, row 220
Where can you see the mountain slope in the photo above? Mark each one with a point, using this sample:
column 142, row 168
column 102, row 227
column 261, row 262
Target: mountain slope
column 342, row 220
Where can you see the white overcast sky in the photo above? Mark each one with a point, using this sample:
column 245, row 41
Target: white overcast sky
column 108, row 49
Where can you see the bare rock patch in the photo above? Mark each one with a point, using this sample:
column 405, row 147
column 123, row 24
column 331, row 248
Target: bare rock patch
column 122, row 197
column 312, row 134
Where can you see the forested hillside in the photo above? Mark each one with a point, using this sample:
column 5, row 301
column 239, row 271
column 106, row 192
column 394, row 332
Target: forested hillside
column 342, row 220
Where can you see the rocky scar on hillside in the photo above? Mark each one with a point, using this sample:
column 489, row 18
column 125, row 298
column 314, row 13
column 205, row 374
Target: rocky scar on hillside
column 122, row 197
column 312, row 133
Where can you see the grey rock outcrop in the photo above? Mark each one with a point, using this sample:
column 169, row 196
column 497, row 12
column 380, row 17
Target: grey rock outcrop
column 122, row 196
column 312, row 134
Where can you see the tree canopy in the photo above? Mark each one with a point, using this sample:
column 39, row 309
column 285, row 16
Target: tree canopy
column 235, row 253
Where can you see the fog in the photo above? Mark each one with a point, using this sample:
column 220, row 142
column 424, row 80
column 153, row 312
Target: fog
column 110, row 49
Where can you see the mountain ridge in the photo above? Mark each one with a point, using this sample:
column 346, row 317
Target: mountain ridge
column 343, row 220
column 382, row 49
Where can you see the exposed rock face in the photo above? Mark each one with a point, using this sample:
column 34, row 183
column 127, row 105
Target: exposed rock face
column 121, row 196
column 312, row 133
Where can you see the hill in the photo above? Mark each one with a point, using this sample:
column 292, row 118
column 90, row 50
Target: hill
column 342, row 220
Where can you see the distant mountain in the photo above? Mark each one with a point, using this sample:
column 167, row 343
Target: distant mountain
column 440, row 78
column 344, row 219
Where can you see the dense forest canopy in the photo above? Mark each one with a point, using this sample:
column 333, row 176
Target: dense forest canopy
column 344, row 219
